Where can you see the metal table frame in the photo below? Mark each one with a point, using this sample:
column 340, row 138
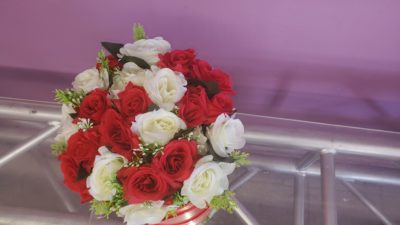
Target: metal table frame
column 322, row 149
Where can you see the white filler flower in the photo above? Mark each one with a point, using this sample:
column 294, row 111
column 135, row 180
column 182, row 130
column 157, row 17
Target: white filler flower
column 226, row 134
column 157, row 126
column 104, row 172
column 208, row 179
column 165, row 88
column 140, row 214
column 201, row 140
column 91, row 79
column 147, row 49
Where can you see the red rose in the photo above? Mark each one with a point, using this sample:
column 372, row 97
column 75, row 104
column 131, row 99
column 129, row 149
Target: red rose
column 178, row 60
column 177, row 161
column 200, row 69
column 223, row 81
column 73, row 179
column 143, row 183
column 220, row 103
column 82, row 147
column 117, row 134
column 78, row 159
column 193, row 106
column 133, row 101
column 94, row 105
column 113, row 63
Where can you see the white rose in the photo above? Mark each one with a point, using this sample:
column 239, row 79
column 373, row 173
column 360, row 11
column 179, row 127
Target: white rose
column 226, row 134
column 104, row 173
column 91, row 79
column 134, row 73
column 147, row 49
column 207, row 180
column 67, row 128
column 131, row 73
column 157, row 126
column 140, row 214
column 165, row 88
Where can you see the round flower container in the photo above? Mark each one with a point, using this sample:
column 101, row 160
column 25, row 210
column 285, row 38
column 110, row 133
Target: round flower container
column 188, row 215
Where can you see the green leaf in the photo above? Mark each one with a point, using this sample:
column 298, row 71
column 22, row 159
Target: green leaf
column 175, row 110
column 58, row 148
column 138, row 61
column 101, row 208
column 211, row 87
column 73, row 115
column 184, row 133
column 138, row 32
column 102, row 59
column 240, row 158
column 224, row 201
column 179, row 199
column 61, row 96
column 112, row 48
column 153, row 107
column 69, row 96
column 105, row 208
column 82, row 173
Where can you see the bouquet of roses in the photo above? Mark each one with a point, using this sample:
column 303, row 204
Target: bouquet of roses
column 149, row 131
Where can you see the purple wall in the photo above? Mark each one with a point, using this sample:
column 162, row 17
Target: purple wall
column 330, row 61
